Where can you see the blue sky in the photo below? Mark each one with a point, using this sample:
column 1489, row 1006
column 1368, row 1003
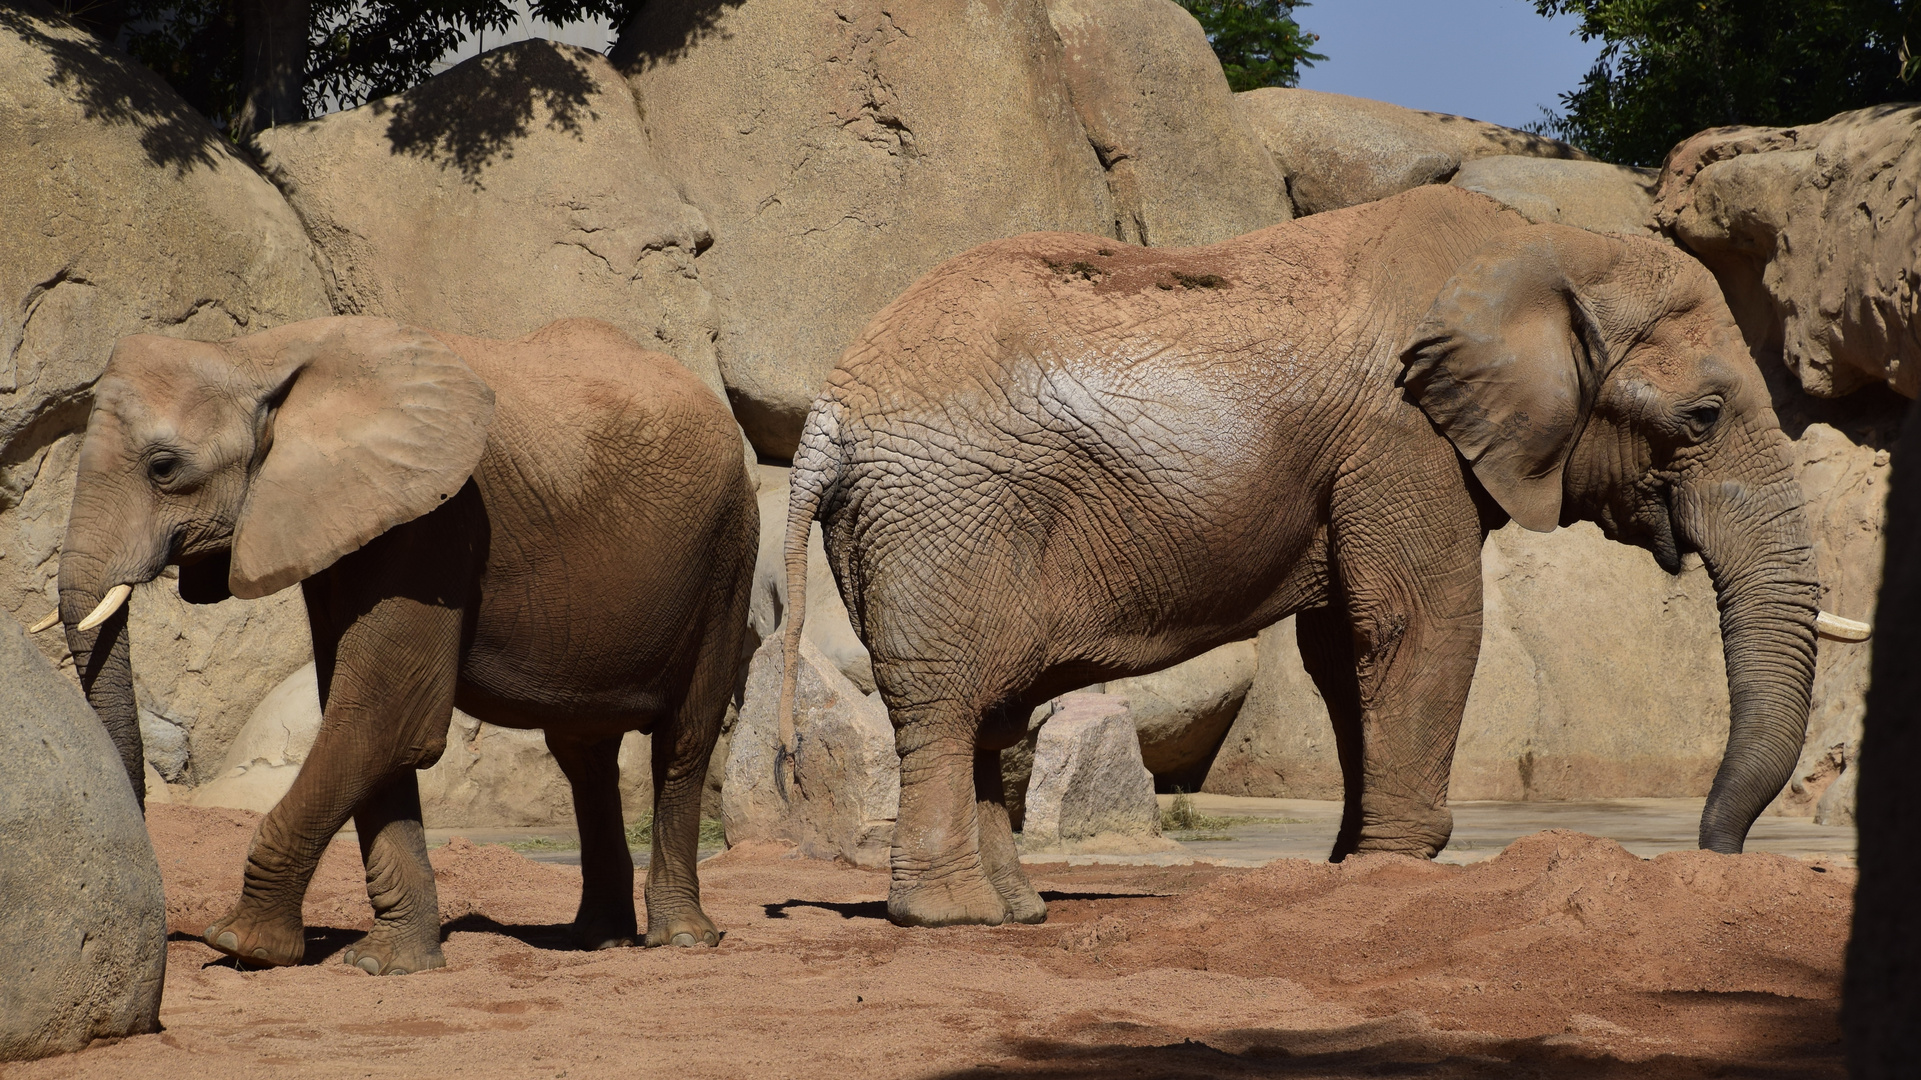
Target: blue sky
column 1489, row 59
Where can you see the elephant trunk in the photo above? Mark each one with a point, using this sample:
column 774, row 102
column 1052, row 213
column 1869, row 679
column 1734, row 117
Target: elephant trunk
column 93, row 560
column 1754, row 538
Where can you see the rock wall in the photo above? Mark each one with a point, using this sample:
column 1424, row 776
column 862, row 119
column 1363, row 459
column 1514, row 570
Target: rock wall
column 509, row 191
column 125, row 213
column 1813, row 232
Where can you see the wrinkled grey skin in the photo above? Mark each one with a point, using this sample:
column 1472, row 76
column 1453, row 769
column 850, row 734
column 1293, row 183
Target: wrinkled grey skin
column 555, row 533
column 1058, row 460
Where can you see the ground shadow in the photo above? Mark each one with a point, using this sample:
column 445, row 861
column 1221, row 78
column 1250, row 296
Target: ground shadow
column 1438, row 1056
column 866, row 909
column 553, row 937
column 113, row 88
column 1051, row 897
column 323, row 944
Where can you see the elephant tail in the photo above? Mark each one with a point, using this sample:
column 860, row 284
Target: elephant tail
column 816, row 474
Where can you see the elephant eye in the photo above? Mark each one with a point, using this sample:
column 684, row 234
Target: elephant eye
column 1702, row 418
column 163, row 467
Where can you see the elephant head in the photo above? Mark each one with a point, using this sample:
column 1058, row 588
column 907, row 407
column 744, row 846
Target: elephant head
column 1588, row 377
column 252, row 464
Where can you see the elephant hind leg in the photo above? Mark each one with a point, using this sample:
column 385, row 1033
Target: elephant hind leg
column 999, row 857
column 605, row 918
column 681, row 752
column 940, row 877
column 1325, row 638
column 400, row 882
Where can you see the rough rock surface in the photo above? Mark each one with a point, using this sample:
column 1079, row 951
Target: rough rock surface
column 1182, row 713
column 1814, row 233
column 1184, row 165
column 1338, row 151
column 845, row 794
column 1089, row 791
column 1586, row 194
column 125, row 213
column 81, row 908
column 839, row 151
column 509, row 191
column 487, row 777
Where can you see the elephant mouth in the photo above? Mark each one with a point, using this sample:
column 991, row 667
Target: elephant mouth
column 204, row 580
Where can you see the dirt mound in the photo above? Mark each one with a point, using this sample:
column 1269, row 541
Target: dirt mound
column 1564, row 956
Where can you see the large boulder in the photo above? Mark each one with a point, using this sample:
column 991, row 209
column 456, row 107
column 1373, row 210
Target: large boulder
column 81, row 909
column 123, row 212
column 1184, row 165
column 1338, row 151
column 839, row 152
column 514, row 189
column 488, row 777
column 1089, row 791
column 1586, row 194
column 1814, row 233
column 844, row 795
column 1182, row 713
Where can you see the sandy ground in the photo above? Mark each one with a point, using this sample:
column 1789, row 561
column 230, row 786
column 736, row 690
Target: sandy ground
column 1564, row 956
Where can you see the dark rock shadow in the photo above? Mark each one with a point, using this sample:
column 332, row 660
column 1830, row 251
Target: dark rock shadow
column 472, row 115
column 114, row 89
column 663, row 30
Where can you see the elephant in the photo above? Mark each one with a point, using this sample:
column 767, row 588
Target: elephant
column 1059, row 459
column 555, row 532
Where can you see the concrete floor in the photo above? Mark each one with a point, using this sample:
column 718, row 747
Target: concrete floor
column 1304, row 829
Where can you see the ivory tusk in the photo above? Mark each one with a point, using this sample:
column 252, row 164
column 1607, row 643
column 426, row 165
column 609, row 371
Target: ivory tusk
column 1840, row 629
column 109, row 604
column 52, row 620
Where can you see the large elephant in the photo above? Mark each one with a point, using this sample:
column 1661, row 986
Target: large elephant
column 555, row 532
column 1058, row 459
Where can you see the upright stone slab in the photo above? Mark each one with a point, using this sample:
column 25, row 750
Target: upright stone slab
column 83, row 921
column 845, row 792
column 1089, row 791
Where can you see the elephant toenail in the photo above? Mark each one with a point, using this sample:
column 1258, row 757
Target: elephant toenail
column 398, row 971
column 683, row 939
column 228, row 941
column 368, row 964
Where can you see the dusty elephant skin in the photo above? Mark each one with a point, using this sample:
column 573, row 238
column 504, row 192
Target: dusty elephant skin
column 554, row 532
column 1059, row 459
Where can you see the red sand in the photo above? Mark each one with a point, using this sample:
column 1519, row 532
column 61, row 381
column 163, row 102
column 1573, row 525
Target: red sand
column 1565, row 956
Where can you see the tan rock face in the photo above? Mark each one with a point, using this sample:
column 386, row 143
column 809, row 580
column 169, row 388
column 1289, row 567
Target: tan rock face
column 1813, row 232
column 845, row 796
column 512, row 190
column 81, row 907
column 839, row 151
column 1183, row 713
column 1184, row 165
column 1338, row 151
column 827, row 625
column 1089, row 791
column 1586, row 194
column 125, row 213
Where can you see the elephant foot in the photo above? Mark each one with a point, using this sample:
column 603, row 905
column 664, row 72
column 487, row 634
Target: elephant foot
column 276, row 941
column 610, row 929
column 1418, row 840
column 959, row 899
column 1024, row 905
column 684, row 929
column 396, row 948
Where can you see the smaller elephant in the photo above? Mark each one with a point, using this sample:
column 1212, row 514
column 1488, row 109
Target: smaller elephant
column 555, row 533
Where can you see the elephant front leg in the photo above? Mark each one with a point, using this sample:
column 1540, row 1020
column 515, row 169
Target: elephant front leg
column 605, row 919
column 400, row 883
column 939, row 875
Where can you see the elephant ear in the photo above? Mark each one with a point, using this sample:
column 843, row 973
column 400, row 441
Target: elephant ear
column 366, row 424
column 1508, row 361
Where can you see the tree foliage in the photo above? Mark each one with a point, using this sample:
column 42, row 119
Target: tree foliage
column 1258, row 41
column 1670, row 68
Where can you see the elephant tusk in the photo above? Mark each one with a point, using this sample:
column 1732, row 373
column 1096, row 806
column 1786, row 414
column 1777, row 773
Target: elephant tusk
column 1840, row 629
column 109, row 604
column 52, row 620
